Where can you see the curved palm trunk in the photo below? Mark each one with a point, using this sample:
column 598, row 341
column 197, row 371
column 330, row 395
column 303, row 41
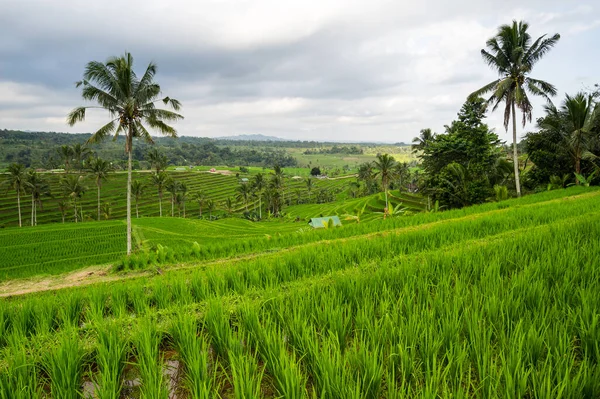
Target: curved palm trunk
column 129, row 198
column 259, row 207
column 137, row 211
column 172, row 206
column 160, row 203
column 32, row 209
column 19, row 205
column 515, row 151
column 75, row 210
column 98, row 184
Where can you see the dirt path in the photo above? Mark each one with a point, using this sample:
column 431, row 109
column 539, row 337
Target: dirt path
column 102, row 274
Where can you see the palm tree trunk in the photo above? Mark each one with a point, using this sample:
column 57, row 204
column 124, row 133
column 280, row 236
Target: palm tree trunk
column 32, row 208
column 129, row 197
column 200, row 206
column 159, row 203
column 137, row 211
column 19, row 205
column 259, row 207
column 75, row 210
column 98, row 184
column 172, row 206
column 184, row 209
column 515, row 151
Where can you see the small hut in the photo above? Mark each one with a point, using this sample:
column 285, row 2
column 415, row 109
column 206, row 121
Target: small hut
column 323, row 222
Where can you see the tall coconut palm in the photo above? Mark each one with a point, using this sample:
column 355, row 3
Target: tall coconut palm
column 513, row 54
column 386, row 170
column 80, row 154
column 137, row 189
column 575, row 120
column 309, row 186
column 131, row 104
column 228, row 205
column 159, row 180
column 172, row 187
column 259, row 184
column 63, row 205
column 157, row 159
column 38, row 186
column 73, row 188
column 17, row 178
column 183, row 192
column 99, row 169
column 200, row 198
column 422, row 141
column 210, row 207
column 66, row 154
column 243, row 193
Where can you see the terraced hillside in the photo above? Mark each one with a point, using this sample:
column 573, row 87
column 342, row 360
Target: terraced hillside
column 216, row 187
column 493, row 301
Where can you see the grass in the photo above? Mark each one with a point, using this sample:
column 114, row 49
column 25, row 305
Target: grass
column 492, row 301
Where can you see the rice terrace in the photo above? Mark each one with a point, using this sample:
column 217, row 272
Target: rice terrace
column 354, row 258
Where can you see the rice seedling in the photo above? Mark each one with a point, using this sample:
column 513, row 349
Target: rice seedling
column 150, row 362
column 19, row 379
column 111, row 354
column 64, row 367
column 193, row 350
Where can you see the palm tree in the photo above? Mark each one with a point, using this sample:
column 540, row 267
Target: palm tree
column 422, row 141
column 66, row 154
column 172, row 187
column 210, row 206
column 17, row 179
column 130, row 102
column 513, row 55
column 99, row 168
column 228, row 205
column 38, row 187
column 137, row 189
column 157, row 160
column 62, row 208
column 386, row 170
column 73, row 188
column 159, row 180
column 183, row 191
column 243, row 194
column 80, row 154
column 574, row 120
column 309, row 186
column 259, row 185
column 200, row 198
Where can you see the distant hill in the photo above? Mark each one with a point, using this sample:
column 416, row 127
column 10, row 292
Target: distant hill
column 251, row 137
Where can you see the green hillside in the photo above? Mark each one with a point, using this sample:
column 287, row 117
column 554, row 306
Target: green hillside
column 442, row 304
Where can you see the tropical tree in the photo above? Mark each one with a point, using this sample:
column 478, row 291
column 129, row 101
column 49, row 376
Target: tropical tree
column 385, row 166
column 131, row 104
column 159, row 180
column 575, row 120
column 107, row 210
column 228, row 205
column 354, row 187
column 73, row 188
column 63, row 205
column 80, row 154
column 259, row 184
column 422, row 141
column 157, row 159
column 200, row 198
column 243, row 194
column 66, row 154
column 38, row 187
column 513, row 54
column 172, row 187
column 99, row 169
column 309, row 186
column 183, row 192
column 210, row 207
column 17, row 178
column 137, row 189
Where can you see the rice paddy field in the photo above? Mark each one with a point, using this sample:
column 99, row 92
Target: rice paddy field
column 493, row 301
column 215, row 186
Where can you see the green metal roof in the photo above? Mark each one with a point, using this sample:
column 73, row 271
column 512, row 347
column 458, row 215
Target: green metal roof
column 321, row 223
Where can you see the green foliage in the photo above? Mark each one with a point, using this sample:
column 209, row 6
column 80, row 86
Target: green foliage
column 462, row 166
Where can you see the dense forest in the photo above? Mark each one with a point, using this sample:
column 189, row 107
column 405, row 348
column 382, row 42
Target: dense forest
column 42, row 150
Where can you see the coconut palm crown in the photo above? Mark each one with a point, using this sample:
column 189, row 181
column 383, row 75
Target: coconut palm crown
column 131, row 103
column 512, row 53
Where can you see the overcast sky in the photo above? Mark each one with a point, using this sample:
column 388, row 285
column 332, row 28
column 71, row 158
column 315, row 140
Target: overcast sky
column 311, row 70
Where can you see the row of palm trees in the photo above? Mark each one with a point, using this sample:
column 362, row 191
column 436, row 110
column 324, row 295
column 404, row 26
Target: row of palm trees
column 387, row 170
